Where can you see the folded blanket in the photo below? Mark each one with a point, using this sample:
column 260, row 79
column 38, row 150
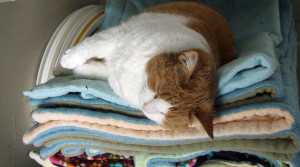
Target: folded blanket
column 45, row 95
column 77, row 127
column 75, row 101
column 269, row 129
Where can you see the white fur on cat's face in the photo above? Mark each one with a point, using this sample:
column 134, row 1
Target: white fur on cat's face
column 154, row 108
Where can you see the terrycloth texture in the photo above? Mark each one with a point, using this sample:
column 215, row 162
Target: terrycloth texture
column 75, row 100
column 256, row 31
column 262, row 94
column 262, row 146
column 267, row 121
column 256, row 39
column 89, row 89
column 275, row 137
column 61, row 129
column 60, row 91
column 258, row 94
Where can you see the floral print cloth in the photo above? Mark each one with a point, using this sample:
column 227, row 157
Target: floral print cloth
column 103, row 160
column 113, row 160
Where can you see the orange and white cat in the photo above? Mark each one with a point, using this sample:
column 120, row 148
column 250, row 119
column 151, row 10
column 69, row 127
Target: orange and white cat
column 163, row 61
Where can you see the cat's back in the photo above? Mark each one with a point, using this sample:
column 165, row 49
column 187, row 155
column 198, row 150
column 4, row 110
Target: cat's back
column 207, row 22
column 190, row 10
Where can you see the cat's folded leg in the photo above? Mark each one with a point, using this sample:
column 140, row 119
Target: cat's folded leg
column 92, row 69
column 99, row 45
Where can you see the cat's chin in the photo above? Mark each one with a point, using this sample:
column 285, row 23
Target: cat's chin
column 156, row 110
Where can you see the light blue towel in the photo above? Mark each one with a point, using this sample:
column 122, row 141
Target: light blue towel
column 79, row 100
column 285, row 78
column 89, row 89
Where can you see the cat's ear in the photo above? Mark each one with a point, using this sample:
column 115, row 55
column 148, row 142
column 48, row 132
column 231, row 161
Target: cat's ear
column 207, row 122
column 189, row 61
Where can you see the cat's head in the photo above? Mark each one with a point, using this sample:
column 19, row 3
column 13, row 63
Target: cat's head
column 180, row 89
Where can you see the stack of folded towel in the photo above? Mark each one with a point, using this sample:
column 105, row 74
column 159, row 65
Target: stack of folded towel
column 257, row 107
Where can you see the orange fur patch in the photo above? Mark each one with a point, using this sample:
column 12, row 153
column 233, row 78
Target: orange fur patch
column 166, row 75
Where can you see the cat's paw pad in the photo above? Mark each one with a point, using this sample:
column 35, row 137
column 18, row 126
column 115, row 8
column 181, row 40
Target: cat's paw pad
column 71, row 59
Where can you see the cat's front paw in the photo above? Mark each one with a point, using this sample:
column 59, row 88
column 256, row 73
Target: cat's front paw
column 71, row 59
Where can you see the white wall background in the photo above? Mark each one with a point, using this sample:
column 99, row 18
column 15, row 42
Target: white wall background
column 25, row 29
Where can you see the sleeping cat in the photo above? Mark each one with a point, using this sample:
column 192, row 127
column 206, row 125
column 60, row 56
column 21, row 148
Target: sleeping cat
column 163, row 61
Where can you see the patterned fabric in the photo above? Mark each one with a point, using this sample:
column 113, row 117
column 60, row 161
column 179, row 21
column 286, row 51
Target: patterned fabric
column 103, row 160
column 227, row 156
column 112, row 160
column 188, row 163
